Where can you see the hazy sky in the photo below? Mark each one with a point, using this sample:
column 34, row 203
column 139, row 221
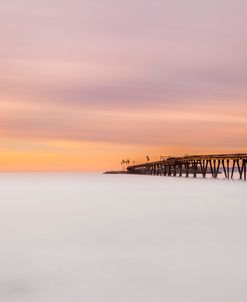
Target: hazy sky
column 84, row 83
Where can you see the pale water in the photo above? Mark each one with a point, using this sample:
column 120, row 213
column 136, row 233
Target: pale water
column 119, row 238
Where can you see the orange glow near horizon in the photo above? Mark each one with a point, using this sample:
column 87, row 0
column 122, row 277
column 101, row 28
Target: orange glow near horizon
column 35, row 137
column 59, row 156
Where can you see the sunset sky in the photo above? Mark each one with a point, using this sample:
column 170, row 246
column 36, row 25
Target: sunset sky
column 85, row 84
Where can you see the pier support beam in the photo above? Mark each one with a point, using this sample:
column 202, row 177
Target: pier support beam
column 211, row 168
column 233, row 168
column 165, row 171
column 228, row 169
column 169, row 170
column 244, row 169
column 217, row 169
column 224, row 168
column 174, row 170
column 180, row 170
column 240, row 169
column 214, row 168
column 187, row 167
column 195, row 169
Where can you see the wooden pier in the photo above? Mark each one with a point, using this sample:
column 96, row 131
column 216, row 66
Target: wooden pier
column 213, row 165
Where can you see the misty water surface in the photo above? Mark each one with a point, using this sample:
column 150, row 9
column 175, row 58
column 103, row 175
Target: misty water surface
column 94, row 238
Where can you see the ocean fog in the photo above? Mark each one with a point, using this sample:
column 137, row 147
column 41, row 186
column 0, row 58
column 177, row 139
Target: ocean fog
column 119, row 238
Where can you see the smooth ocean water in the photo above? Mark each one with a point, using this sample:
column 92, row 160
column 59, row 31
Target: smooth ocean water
column 119, row 238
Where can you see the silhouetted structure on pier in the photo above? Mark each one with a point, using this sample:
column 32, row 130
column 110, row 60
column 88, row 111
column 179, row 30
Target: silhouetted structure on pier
column 195, row 164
